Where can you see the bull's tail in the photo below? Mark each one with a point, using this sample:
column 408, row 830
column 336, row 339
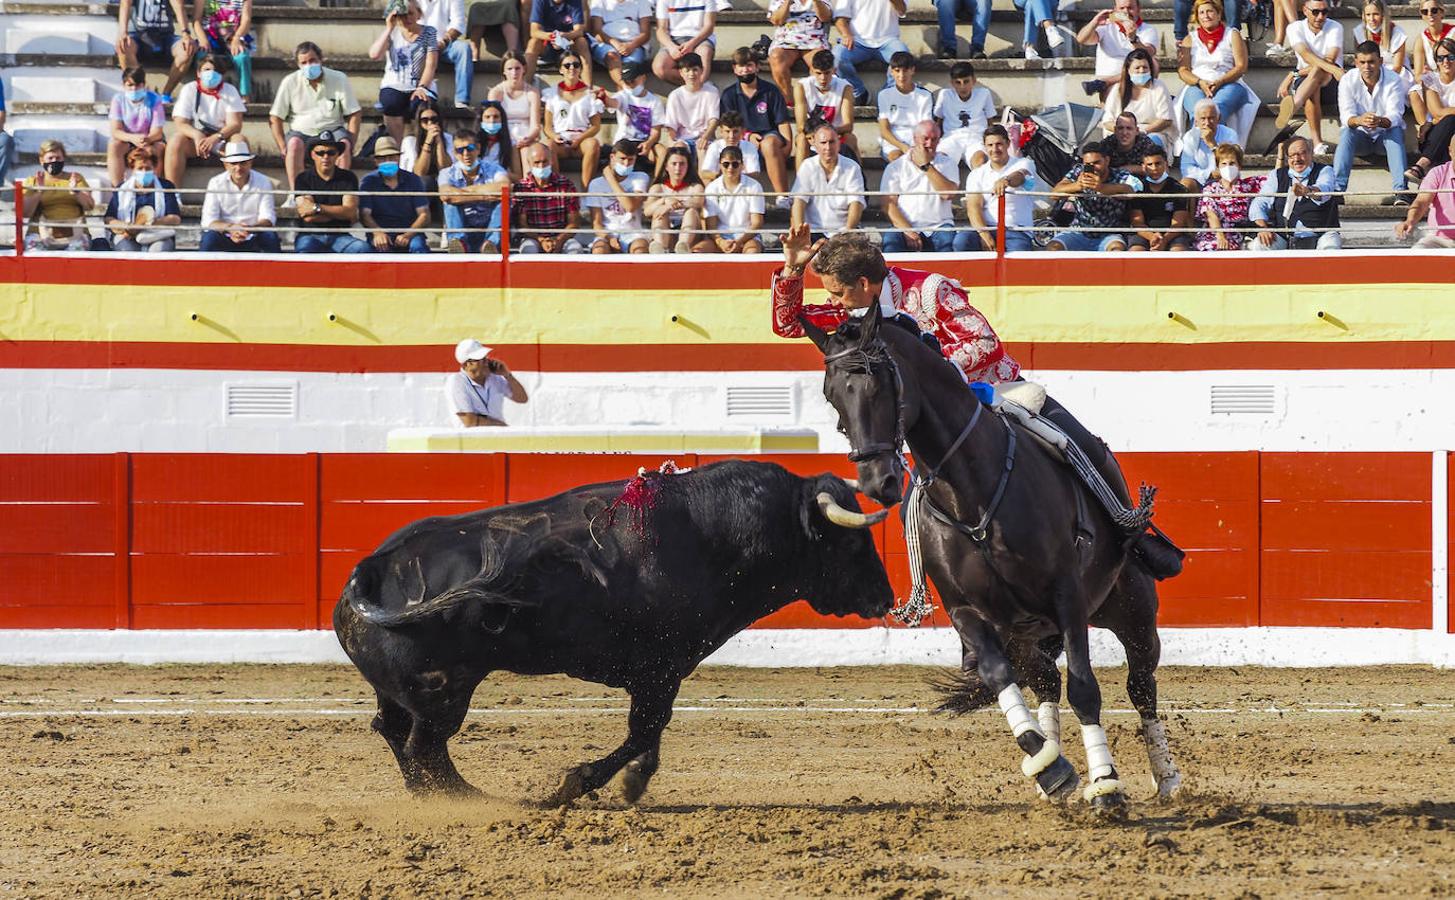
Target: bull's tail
column 488, row 587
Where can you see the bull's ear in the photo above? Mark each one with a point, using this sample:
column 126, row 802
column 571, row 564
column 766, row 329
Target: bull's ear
column 816, row 334
column 808, row 509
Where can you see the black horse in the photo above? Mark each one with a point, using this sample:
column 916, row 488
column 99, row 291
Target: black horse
column 1022, row 556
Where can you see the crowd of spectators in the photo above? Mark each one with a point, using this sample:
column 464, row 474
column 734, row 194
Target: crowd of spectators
column 687, row 172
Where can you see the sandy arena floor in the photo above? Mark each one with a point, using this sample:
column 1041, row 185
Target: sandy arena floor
column 266, row 781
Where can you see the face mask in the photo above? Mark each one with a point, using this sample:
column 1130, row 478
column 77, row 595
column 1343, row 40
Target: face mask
column 54, row 168
column 210, row 79
column 748, row 79
column 622, row 171
column 1229, row 173
column 490, row 127
column 1141, row 78
column 313, row 71
column 1159, row 179
column 144, row 178
column 137, row 95
column 640, row 90
column 541, row 172
column 389, row 170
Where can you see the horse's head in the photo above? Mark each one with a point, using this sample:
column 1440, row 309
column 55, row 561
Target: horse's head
column 862, row 382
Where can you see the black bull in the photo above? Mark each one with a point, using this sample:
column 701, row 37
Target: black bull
column 630, row 597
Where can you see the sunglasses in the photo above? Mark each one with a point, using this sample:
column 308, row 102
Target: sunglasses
column 429, row 119
column 322, row 151
column 1431, row 11
column 466, row 148
column 1318, row 12
column 570, row 65
column 1444, row 58
column 731, row 165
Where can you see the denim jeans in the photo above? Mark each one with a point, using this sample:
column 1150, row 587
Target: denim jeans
column 1358, row 142
column 1230, row 98
column 848, row 60
column 343, row 242
column 1182, row 12
column 940, row 241
column 599, row 49
column 260, row 242
column 462, row 56
column 1083, row 243
column 1037, row 11
column 980, row 13
column 455, row 225
column 1017, row 241
column 7, row 155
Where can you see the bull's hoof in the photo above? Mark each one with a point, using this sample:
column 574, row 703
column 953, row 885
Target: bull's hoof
column 572, row 787
column 634, row 779
column 1058, row 781
column 1106, row 797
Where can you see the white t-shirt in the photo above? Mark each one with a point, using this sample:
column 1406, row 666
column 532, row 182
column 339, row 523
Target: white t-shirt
column 829, row 214
column 409, row 152
column 925, row 211
column 1327, row 38
column 685, row 18
column 613, row 216
column 825, row 103
column 752, row 160
column 637, row 116
column 973, row 113
column 1431, row 80
column 486, row 399
column 1020, row 210
column 571, row 116
column 206, row 113
column 1113, row 45
column 732, row 208
column 621, row 19
column 905, row 111
column 1397, row 39
column 689, row 114
column 873, row 23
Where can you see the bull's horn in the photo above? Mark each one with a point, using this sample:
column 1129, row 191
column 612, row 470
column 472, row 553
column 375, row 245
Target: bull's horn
column 853, row 484
column 847, row 518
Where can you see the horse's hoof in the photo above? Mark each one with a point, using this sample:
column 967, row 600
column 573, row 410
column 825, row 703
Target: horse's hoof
column 1106, row 796
column 572, row 786
column 1058, row 780
column 634, row 781
column 1168, row 787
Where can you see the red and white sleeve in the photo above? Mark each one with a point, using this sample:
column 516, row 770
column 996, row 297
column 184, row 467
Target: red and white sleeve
column 788, row 305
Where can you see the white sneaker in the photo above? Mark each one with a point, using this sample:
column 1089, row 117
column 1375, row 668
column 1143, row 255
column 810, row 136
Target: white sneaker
column 1323, row 149
column 1054, row 38
column 1031, row 53
column 784, row 202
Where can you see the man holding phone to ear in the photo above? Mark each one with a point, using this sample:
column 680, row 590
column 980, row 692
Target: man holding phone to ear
column 478, row 391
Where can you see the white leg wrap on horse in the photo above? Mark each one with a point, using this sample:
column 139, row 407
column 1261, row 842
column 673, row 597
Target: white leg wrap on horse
column 1032, row 766
column 1049, row 715
column 1101, row 789
column 1154, row 735
column 1098, row 754
column 1013, row 704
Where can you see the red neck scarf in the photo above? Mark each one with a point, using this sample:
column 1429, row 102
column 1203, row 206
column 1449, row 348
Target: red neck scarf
column 1211, row 39
column 572, row 87
column 675, row 188
column 212, row 93
column 1436, row 38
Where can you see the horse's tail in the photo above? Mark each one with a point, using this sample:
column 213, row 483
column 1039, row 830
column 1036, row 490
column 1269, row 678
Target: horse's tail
column 961, row 692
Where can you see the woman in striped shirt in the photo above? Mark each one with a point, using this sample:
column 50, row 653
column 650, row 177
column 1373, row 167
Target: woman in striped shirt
column 411, row 55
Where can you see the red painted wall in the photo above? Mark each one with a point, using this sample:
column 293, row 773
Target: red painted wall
column 267, row 541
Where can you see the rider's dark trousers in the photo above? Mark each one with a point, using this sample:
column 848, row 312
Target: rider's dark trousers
column 1090, row 444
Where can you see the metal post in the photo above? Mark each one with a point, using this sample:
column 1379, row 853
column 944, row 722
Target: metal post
column 1000, row 224
column 505, row 235
column 19, row 218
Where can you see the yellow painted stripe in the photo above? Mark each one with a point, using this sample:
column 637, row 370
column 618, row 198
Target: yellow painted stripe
column 389, row 317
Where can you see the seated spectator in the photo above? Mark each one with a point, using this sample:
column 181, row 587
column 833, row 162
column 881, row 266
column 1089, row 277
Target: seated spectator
column 425, row 150
column 1198, row 144
column 615, row 199
column 57, row 218
column 502, row 14
column 1294, row 204
column 1040, row 20
column 1212, row 61
column 964, row 110
column 327, row 199
column 676, row 205
column 556, row 27
column 544, row 201
column 1128, row 146
column 640, row 115
column 685, row 27
column 7, row 143
column 1319, row 48
column 478, row 391
column 136, row 120
column 1225, row 202
column 921, row 187
column 765, row 116
column 946, row 11
column 208, row 114
column 1439, row 86
column 238, row 213
column 470, row 191
column 1001, row 176
column 147, row 36
column 800, row 32
column 822, row 98
column 1115, row 33
column 411, row 53
column 395, row 224
column 1184, row 18
column 867, row 28
column 734, row 208
column 143, row 213
column 573, row 117
column 1435, row 31
column 1371, row 113
column 1156, row 219
column 1375, row 25
column 310, row 101
column 447, row 18
column 1140, row 93
column 494, row 137
column 828, row 192
column 224, row 28
column 1098, row 194
column 620, row 32
column 1437, row 198
column 902, row 105
column 692, row 109
column 729, row 134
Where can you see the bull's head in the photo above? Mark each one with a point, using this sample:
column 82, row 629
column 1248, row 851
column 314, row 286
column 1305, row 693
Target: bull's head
column 849, row 578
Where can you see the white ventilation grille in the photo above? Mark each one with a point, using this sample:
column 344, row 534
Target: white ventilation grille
column 1244, row 399
column 261, row 401
column 767, row 402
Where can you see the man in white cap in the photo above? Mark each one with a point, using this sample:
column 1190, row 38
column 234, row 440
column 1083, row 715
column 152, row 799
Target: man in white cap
column 238, row 214
column 477, row 392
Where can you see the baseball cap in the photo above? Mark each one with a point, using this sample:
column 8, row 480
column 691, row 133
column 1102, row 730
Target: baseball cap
column 469, row 349
column 632, row 70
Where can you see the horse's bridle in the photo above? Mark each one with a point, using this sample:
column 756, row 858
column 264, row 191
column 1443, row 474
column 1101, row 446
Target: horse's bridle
column 878, row 448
